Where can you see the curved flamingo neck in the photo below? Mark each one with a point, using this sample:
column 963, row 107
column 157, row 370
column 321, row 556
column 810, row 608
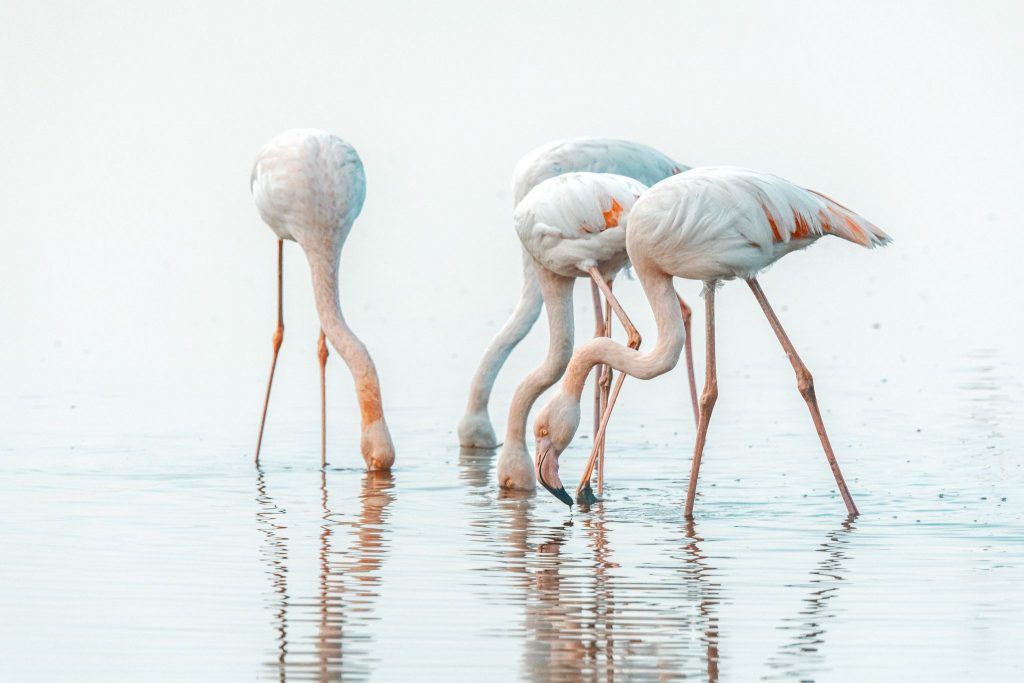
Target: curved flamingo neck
column 557, row 292
column 323, row 265
column 498, row 350
column 642, row 365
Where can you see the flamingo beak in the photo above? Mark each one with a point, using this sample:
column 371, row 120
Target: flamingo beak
column 547, row 470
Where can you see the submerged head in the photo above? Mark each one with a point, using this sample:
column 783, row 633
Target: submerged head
column 554, row 428
column 377, row 447
column 476, row 431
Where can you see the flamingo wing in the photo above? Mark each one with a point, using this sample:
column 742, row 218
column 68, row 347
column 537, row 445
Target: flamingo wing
column 767, row 210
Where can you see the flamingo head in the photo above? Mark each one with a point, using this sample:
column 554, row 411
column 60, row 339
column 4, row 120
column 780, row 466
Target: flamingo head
column 377, row 447
column 554, row 428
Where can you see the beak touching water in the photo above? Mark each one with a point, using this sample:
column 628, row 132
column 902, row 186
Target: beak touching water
column 547, row 470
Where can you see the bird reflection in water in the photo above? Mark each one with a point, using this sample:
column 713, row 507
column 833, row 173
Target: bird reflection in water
column 349, row 580
column 801, row 656
column 270, row 522
column 705, row 592
column 475, row 468
column 586, row 617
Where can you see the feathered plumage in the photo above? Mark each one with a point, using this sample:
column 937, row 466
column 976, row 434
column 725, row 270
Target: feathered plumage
column 578, row 220
column 596, row 155
column 309, row 187
column 707, row 224
column 720, row 222
column 307, row 181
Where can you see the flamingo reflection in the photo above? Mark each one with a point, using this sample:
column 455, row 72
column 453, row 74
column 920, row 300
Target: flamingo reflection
column 584, row 616
column 705, row 592
column 802, row 655
column 348, row 585
column 270, row 518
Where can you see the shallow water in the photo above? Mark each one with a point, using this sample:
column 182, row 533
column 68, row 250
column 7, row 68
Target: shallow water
column 138, row 542
column 170, row 557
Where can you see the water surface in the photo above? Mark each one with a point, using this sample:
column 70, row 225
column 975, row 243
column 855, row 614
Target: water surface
column 170, row 557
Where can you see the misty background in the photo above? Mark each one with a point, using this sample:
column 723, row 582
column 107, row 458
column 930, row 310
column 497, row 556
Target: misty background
column 139, row 282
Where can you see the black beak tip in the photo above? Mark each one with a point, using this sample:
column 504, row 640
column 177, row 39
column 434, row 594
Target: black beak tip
column 563, row 496
column 559, row 493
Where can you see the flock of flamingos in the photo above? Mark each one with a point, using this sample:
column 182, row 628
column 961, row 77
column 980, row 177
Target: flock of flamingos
column 584, row 208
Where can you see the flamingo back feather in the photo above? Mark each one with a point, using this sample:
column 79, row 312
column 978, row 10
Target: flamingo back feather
column 596, row 155
column 795, row 213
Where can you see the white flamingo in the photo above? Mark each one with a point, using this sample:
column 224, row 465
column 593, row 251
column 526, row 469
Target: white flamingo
column 707, row 224
column 309, row 187
column 573, row 225
column 599, row 155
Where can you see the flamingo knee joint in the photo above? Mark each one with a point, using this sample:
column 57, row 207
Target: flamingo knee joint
column 709, row 397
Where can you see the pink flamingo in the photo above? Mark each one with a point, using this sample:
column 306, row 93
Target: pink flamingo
column 309, row 187
column 599, row 155
column 707, row 224
column 573, row 225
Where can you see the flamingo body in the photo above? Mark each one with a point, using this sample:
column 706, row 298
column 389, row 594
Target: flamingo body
column 721, row 223
column 576, row 221
column 568, row 224
column 597, row 155
column 309, row 187
column 708, row 224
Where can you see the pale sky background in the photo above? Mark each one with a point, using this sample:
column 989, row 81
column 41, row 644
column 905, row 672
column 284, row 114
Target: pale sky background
column 138, row 280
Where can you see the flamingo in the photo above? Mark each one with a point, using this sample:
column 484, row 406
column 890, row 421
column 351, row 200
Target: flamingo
column 309, row 187
column 708, row 224
column 573, row 225
column 600, row 155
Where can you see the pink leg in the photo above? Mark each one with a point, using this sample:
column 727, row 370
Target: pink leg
column 688, row 350
column 606, row 383
column 584, row 494
column 278, row 338
column 599, row 327
column 321, row 352
column 707, row 397
column 805, row 383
